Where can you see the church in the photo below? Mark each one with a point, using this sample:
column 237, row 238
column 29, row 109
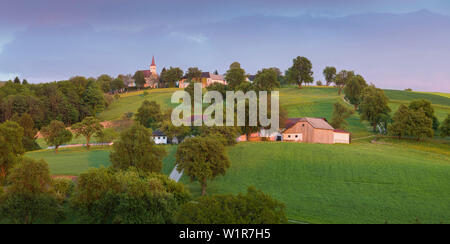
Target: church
column 151, row 76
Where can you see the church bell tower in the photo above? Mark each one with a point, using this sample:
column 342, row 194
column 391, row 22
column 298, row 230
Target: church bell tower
column 153, row 66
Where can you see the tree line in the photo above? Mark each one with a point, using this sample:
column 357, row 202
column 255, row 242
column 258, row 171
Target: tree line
column 131, row 191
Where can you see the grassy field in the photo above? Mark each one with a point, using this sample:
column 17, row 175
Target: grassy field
column 130, row 102
column 74, row 161
column 309, row 101
column 360, row 183
column 441, row 104
column 391, row 180
column 447, row 95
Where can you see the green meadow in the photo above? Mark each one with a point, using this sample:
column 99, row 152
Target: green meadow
column 388, row 181
column 74, row 161
column 362, row 183
column 306, row 102
column 132, row 101
column 383, row 181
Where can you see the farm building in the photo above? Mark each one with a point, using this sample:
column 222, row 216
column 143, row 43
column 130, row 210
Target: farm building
column 207, row 79
column 307, row 130
column 159, row 137
column 314, row 130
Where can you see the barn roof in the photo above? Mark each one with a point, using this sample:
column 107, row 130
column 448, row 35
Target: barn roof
column 318, row 123
column 158, row 133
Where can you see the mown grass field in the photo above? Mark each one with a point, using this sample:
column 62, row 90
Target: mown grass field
column 130, row 102
column 74, row 161
column 360, row 183
column 389, row 181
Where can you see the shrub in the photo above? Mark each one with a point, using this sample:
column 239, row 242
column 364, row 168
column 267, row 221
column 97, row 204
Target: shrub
column 63, row 188
column 127, row 197
column 127, row 115
column 319, row 83
column 253, row 208
column 106, row 135
column 226, row 134
column 29, row 209
column 29, row 198
column 145, row 93
column 109, row 99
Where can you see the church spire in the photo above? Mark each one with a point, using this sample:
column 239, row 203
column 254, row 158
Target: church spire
column 153, row 61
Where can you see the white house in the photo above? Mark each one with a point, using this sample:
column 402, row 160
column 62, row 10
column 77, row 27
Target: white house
column 159, row 137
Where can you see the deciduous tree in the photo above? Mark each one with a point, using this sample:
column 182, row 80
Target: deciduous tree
column 106, row 135
column 29, row 132
column 235, row 76
column 445, row 127
column 135, row 148
column 202, row 159
column 104, row 82
column 105, row 196
column 173, row 75
column 353, row 90
column 29, row 198
column 301, row 71
column 421, row 124
column 93, row 99
column 87, row 128
column 56, row 134
column 266, row 80
column 194, row 74
column 340, row 113
column 226, row 134
column 330, row 74
column 342, row 78
column 401, row 122
column 149, row 114
column 374, row 106
column 426, row 106
column 117, row 85
column 139, row 79
column 255, row 207
column 10, row 147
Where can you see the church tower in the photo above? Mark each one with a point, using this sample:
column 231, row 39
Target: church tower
column 153, row 66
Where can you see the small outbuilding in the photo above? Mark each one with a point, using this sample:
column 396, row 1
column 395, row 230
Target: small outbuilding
column 159, row 137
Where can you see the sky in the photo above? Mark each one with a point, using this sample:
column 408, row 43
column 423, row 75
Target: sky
column 394, row 44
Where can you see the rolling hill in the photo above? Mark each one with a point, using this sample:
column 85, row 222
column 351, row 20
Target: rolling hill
column 387, row 180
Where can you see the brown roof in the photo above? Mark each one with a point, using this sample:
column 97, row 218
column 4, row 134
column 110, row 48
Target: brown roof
column 318, row 123
column 146, row 73
column 212, row 76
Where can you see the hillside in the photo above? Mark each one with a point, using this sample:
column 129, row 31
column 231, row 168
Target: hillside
column 365, row 182
column 359, row 183
column 309, row 101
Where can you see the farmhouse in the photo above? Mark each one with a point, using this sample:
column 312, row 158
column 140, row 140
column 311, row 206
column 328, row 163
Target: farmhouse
column 313, row 130
column 207, row 79
column 159, row 137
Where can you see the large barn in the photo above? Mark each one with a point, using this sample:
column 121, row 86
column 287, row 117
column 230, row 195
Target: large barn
column 313, row 130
